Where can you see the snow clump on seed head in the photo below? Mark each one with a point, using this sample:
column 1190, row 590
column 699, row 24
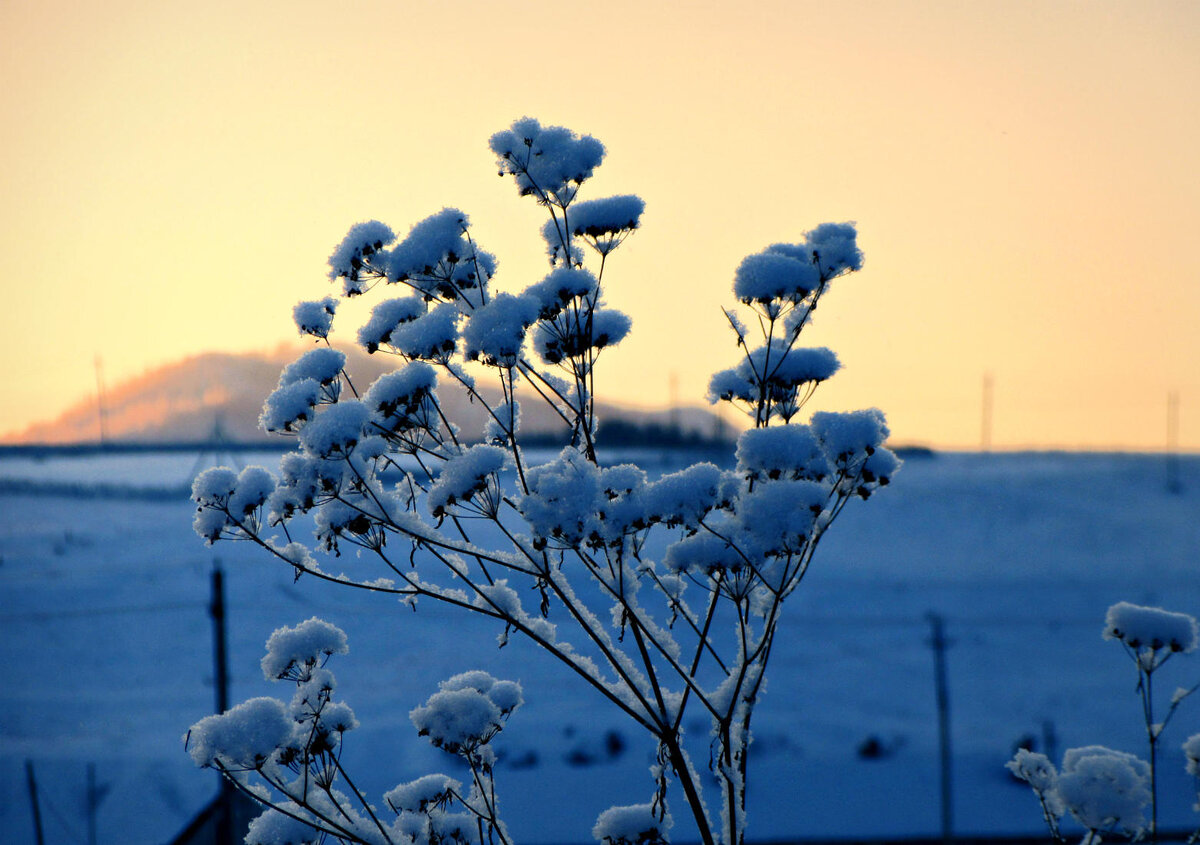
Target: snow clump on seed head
column 361, row 242
column 1150, row 628
column 1103, row 788
column 467, row 711
column 465, row 475
column 495, row 332
column 385, row 317
column 296, row 651
column 336, row 431
column 633, row 824
column 316, row 317
column 547, row 161
column 417, row 796
column 242, row 738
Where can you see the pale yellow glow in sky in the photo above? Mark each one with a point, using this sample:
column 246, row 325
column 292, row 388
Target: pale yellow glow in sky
column 1025, row 177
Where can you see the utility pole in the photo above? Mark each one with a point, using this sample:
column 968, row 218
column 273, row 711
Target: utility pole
column 221, row 682
column 38, row 837
column 939, row 644
column 93, row 801
column 985, row 427
column 1173, row 484
column 101, row 411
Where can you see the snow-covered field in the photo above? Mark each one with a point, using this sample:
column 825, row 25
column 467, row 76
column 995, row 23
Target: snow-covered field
column 107, row 655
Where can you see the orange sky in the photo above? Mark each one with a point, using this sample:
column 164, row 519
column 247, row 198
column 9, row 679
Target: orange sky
column 1024, row 176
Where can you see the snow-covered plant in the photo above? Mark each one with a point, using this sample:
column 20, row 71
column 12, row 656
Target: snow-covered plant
column 1105, row 790
column 664, row 594
column 288, row 755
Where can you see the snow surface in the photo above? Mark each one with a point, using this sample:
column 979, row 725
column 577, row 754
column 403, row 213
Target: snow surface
column 105, row 615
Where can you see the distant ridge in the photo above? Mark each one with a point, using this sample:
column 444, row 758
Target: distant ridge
column 219, row 395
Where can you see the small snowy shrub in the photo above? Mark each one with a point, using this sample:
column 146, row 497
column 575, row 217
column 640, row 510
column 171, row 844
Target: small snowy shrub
column 665, row 595
column 1108, row 791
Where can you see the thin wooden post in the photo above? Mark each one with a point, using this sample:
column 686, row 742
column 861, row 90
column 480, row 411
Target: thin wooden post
column 224, row 820
column 939, row 643
column 38, row 836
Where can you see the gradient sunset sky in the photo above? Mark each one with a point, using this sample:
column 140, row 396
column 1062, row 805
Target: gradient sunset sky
column 1025, row 178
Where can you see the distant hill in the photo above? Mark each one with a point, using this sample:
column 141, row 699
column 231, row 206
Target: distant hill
column 190, row 399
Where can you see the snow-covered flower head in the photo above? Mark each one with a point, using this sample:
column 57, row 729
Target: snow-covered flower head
column 605, row 223
column 288, row 407
column 386, row 316
column 846, row 435
column 431, row 337
column 315, row 317
column 549, row 162
column 566, row 337
column 467, row 475
column 1105, row 789
column 786, row 451
column 243, row 738
column 1191, row 750
column 558, row 288
column 361, row 244
column 397, row 399
column 633, row 824
column 495, row 332
column 768, row 276
column 834, row 246
column 467, row 711
column 322, row 364
column 438, row 259
column 436, row 790
column 336, row 431
column 1150, row 628
column 295, row 652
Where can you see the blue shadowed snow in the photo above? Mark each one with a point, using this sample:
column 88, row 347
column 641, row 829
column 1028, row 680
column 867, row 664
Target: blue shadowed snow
column 108, row 656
